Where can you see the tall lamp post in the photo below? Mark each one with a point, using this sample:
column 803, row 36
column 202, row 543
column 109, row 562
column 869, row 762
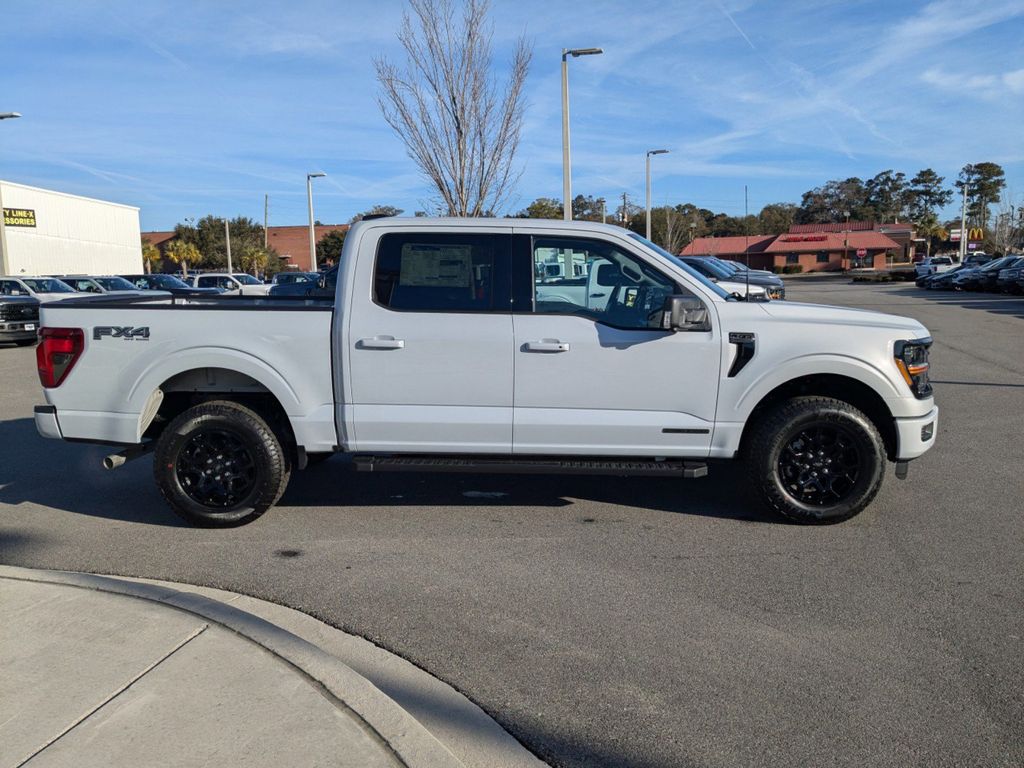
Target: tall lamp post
column 312, row 231
column 3, row 232
column 649, row 153
column 566, row 180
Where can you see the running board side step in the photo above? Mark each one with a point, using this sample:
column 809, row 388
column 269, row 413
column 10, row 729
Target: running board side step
column 534, row 466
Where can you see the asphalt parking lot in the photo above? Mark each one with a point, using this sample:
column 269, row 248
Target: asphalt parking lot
column 611, row 622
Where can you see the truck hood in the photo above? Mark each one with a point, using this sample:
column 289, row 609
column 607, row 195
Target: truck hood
column 822, row 314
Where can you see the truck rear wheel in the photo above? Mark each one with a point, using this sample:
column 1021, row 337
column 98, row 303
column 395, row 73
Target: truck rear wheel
column 219, row 464
column 815, row 460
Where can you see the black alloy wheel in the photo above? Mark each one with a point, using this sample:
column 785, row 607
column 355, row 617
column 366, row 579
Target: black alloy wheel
column 815, row 459
column 220, row 464
column 216, row 469
column 820, row 464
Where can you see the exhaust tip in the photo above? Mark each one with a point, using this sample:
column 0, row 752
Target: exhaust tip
column 113, row 461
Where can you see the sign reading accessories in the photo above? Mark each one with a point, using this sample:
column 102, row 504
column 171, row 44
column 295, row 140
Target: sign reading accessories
column 19, row 217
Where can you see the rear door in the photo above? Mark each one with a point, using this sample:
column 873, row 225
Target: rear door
column 594, row 372
column 429, row 343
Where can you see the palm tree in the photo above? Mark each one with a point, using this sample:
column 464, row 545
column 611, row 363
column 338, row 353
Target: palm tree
column 930, row 228
column 182, row 253
column 151, row 255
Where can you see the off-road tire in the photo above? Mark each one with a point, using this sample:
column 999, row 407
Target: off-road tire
column 773, row 434
column 266, row 467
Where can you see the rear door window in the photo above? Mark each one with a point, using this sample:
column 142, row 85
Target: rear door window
column 430, row 272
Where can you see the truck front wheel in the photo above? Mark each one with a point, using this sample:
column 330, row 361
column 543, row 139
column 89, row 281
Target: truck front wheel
column 815, row 460
column 219, row 464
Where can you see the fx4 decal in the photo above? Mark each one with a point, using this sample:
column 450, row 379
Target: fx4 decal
column 126, row 332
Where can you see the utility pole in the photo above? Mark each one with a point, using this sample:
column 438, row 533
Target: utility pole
column 963, row 227
column 604, row 212
column 227, row 240
column 266, row 211
column 625, row 217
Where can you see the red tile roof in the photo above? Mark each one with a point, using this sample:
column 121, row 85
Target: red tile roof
column 851, row 226
column 810, row 242
column 727, row 246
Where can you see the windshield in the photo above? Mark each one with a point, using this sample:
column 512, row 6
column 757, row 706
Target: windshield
column 676, row 261
column 168, row 281
column 728, row 266
column 245, row 279
column 717, row 270
column 114, row 283
column 47, row 285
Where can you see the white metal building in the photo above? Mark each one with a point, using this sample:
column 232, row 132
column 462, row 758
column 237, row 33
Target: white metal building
column 43, row 232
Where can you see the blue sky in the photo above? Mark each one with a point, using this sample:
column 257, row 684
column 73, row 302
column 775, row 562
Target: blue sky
column 188, row 108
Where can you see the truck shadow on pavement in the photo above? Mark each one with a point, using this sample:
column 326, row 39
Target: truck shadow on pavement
column 335, row 484
column 69, row 477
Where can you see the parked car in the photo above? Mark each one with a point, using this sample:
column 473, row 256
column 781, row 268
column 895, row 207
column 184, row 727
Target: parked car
column 942, row 281
column 1006, row 278
column 975, row 278
column 237, row 283
column 772, row 285
column 42, row 289
column 934, row 264
column 976, row 259
column 321, row 285
column 442, row 336
column 287, row 278
column 107, row 285
column 19, row 319
column 169, row 283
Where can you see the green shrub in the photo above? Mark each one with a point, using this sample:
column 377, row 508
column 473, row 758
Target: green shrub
column 792, row 269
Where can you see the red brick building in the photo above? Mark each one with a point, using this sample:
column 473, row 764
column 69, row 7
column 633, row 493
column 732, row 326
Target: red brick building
column 291, row 243
column 814, row 250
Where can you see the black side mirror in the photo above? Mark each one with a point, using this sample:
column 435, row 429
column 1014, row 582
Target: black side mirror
column 685, row 313
column 321, row 282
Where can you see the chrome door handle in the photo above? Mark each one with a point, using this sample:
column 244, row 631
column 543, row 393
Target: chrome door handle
column 547, row 345
column 381, row 342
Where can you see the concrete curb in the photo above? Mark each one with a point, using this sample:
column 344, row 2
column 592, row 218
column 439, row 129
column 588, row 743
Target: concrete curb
column 405, row 736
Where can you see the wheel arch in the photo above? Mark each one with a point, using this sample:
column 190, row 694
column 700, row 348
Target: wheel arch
column 857, row 393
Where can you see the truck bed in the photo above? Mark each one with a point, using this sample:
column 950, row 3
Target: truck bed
column 140, row 350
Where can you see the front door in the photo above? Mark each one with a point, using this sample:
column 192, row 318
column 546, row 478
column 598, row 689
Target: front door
column 594, row 372
column 430, row 345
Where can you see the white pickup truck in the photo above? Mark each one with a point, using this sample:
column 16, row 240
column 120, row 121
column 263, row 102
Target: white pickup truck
column 445, row 349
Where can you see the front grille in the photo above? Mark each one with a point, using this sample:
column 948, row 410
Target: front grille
column 26, row 312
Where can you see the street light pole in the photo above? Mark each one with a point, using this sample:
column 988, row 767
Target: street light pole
column 3, row 231
column 566, row 173
column 963, row 228
column 227, row 242
column 649, row 153
column 312, row 230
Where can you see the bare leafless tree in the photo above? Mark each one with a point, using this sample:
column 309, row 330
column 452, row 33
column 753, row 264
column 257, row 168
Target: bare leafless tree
column 460, row 127
column 675, row 230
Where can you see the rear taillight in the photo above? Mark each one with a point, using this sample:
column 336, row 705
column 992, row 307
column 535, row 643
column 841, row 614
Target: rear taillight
column 57, row 353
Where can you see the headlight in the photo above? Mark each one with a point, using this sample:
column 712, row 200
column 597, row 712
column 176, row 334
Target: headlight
column 912, row 361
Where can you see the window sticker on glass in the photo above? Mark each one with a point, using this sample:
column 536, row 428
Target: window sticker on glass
column 439, row 266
